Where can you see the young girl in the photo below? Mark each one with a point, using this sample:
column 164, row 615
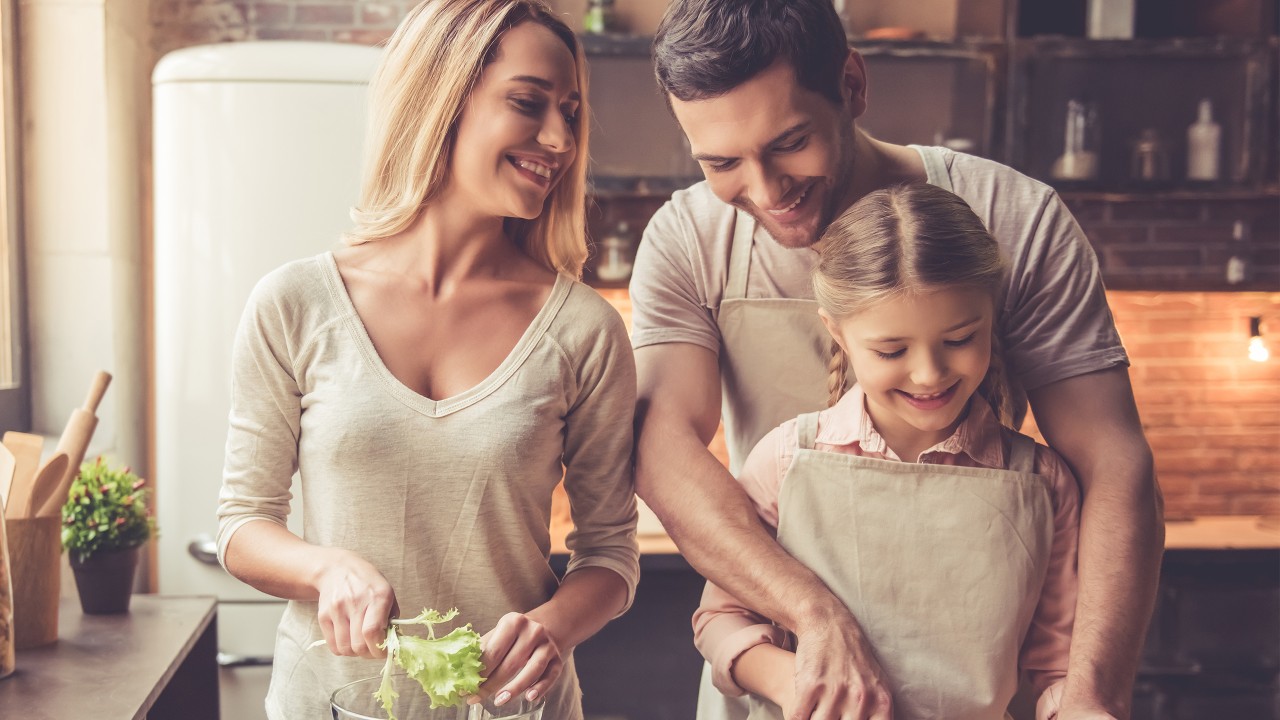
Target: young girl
column 434, row 380
column 951, row 537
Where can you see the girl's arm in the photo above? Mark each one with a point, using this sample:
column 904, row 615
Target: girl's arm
column 1048, row 644
column 769, row 672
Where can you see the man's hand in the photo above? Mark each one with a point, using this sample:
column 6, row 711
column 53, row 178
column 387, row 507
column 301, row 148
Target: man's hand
column 838, row 676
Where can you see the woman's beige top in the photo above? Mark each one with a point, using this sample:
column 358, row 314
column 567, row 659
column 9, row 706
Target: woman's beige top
column 450, row 499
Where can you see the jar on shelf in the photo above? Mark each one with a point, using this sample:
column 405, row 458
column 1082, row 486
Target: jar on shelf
column 617, row 251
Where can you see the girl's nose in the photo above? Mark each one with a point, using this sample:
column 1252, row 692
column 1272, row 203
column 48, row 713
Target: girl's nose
column 928, row 371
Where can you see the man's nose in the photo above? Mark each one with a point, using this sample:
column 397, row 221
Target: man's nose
column 766, row 188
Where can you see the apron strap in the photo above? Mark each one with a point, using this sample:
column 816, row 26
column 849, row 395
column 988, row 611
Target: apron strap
column 935, row 169
column 744, row 228
column 1022, row 454
column 806, row 431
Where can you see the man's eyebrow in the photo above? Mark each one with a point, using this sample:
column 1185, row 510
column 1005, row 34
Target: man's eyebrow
column 545, row 84
column 780, row 138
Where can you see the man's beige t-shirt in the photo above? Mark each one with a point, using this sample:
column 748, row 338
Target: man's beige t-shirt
column 450, row 499
column 1055, row 321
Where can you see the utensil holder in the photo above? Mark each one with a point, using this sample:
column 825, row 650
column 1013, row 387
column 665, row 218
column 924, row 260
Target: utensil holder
column 35, row 556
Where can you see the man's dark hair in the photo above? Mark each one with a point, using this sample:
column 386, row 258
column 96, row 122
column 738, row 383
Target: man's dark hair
column 705, row 48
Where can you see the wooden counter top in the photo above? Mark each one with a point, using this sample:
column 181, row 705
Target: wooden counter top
column 156, row 661
column 1218, row 532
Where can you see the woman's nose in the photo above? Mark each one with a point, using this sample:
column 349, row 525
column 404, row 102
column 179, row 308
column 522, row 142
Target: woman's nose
column 556, row 133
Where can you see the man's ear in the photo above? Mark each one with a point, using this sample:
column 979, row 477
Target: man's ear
column 833, row 329
column 853, row 83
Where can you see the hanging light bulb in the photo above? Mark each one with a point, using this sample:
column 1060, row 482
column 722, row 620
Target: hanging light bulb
column 1257, row 348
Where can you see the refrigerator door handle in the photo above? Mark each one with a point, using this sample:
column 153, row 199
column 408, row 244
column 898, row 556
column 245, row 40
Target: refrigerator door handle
column 204, row 549
column 228, row 660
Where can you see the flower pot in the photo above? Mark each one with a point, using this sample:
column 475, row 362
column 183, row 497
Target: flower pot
column 105, row 580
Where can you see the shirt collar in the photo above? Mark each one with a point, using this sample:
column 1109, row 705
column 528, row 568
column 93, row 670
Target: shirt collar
column 978, row 435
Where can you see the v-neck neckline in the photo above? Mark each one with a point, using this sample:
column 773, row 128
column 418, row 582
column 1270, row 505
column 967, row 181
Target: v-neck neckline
column 419, row 402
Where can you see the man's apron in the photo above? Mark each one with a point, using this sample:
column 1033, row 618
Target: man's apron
column 941, row 565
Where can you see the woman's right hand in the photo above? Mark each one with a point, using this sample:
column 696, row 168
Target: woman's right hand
column 356, row 605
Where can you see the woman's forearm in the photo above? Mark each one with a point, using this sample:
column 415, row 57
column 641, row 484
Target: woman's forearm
column 587, row 600
column 269, row 558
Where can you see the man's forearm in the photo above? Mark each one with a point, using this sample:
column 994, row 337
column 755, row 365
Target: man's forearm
column 713, row 522
column 1121, row 545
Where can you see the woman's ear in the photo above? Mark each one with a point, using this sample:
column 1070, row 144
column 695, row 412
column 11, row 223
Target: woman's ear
column 833, row 328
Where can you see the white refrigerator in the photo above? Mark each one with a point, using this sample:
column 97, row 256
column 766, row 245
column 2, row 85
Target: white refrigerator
column 257, row 150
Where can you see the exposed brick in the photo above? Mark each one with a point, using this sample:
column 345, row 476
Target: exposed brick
column 271, row 13
column 1152, row 257
column 344, row 15
column 1107, row 235
column 370, row 36
column 380, row 14
column 1088, row 211
column 1261, row 214
column 1157, row 211
column 1191, row 233
column 1253, row 504
column 291, row 34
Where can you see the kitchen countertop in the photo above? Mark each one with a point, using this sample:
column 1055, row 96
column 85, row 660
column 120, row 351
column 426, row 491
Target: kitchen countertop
column 157, row 661
column 1215, row 532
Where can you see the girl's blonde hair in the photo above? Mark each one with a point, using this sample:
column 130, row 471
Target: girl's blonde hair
column 907, row 239
column 428, row 70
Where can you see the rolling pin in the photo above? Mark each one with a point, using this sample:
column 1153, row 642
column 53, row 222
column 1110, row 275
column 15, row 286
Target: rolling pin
column 75, row 441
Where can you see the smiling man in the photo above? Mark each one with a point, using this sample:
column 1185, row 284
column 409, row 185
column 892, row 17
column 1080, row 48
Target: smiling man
column 724, row 327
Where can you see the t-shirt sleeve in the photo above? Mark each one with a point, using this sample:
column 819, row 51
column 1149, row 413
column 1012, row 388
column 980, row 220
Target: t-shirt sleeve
column 597, row 453
column 667, row 303
column 265, row 418
column 1058, row 324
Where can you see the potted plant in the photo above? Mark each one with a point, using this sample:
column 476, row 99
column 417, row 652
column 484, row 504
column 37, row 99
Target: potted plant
column 104, row 523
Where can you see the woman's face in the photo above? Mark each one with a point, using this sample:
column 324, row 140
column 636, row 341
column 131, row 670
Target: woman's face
column 516, row 136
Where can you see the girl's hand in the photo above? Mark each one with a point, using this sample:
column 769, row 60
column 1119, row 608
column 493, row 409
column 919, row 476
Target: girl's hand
column 356, row 605
column 523, row 658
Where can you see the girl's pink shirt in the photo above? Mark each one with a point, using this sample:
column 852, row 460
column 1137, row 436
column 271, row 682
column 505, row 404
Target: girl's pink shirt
column 724, row 629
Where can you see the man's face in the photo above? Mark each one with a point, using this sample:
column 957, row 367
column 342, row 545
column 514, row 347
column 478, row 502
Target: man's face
column 780, row 152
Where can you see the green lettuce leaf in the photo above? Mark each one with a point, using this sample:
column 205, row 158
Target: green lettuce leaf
column 447, row 668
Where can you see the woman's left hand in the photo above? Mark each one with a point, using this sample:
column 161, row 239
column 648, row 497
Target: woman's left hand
column 522, row 657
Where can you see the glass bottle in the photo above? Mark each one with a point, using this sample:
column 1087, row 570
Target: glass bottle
column 617, row 253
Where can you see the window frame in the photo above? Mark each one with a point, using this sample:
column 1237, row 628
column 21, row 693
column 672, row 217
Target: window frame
column 15, row 394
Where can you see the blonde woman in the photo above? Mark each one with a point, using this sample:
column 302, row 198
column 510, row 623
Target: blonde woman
column 433, row 380
column 950, row 536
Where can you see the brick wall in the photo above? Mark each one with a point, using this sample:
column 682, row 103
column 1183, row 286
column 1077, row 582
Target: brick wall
column 1212, row 416
column 181, row 23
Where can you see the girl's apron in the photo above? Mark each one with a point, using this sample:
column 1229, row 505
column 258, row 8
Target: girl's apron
column 941, row 565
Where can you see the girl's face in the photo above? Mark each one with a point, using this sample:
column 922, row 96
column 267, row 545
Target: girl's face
column 515, row 138
column 918, row 358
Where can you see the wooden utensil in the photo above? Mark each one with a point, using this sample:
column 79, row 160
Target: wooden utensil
column 6, row 476
column 46, row 482
column 75, row 440
column 26, row 455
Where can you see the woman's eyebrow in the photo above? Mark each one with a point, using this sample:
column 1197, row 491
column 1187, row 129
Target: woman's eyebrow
column 544, row 84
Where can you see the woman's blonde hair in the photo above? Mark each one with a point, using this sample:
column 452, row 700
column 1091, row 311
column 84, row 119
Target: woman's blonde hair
column 907, row 239
column 428, row 70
